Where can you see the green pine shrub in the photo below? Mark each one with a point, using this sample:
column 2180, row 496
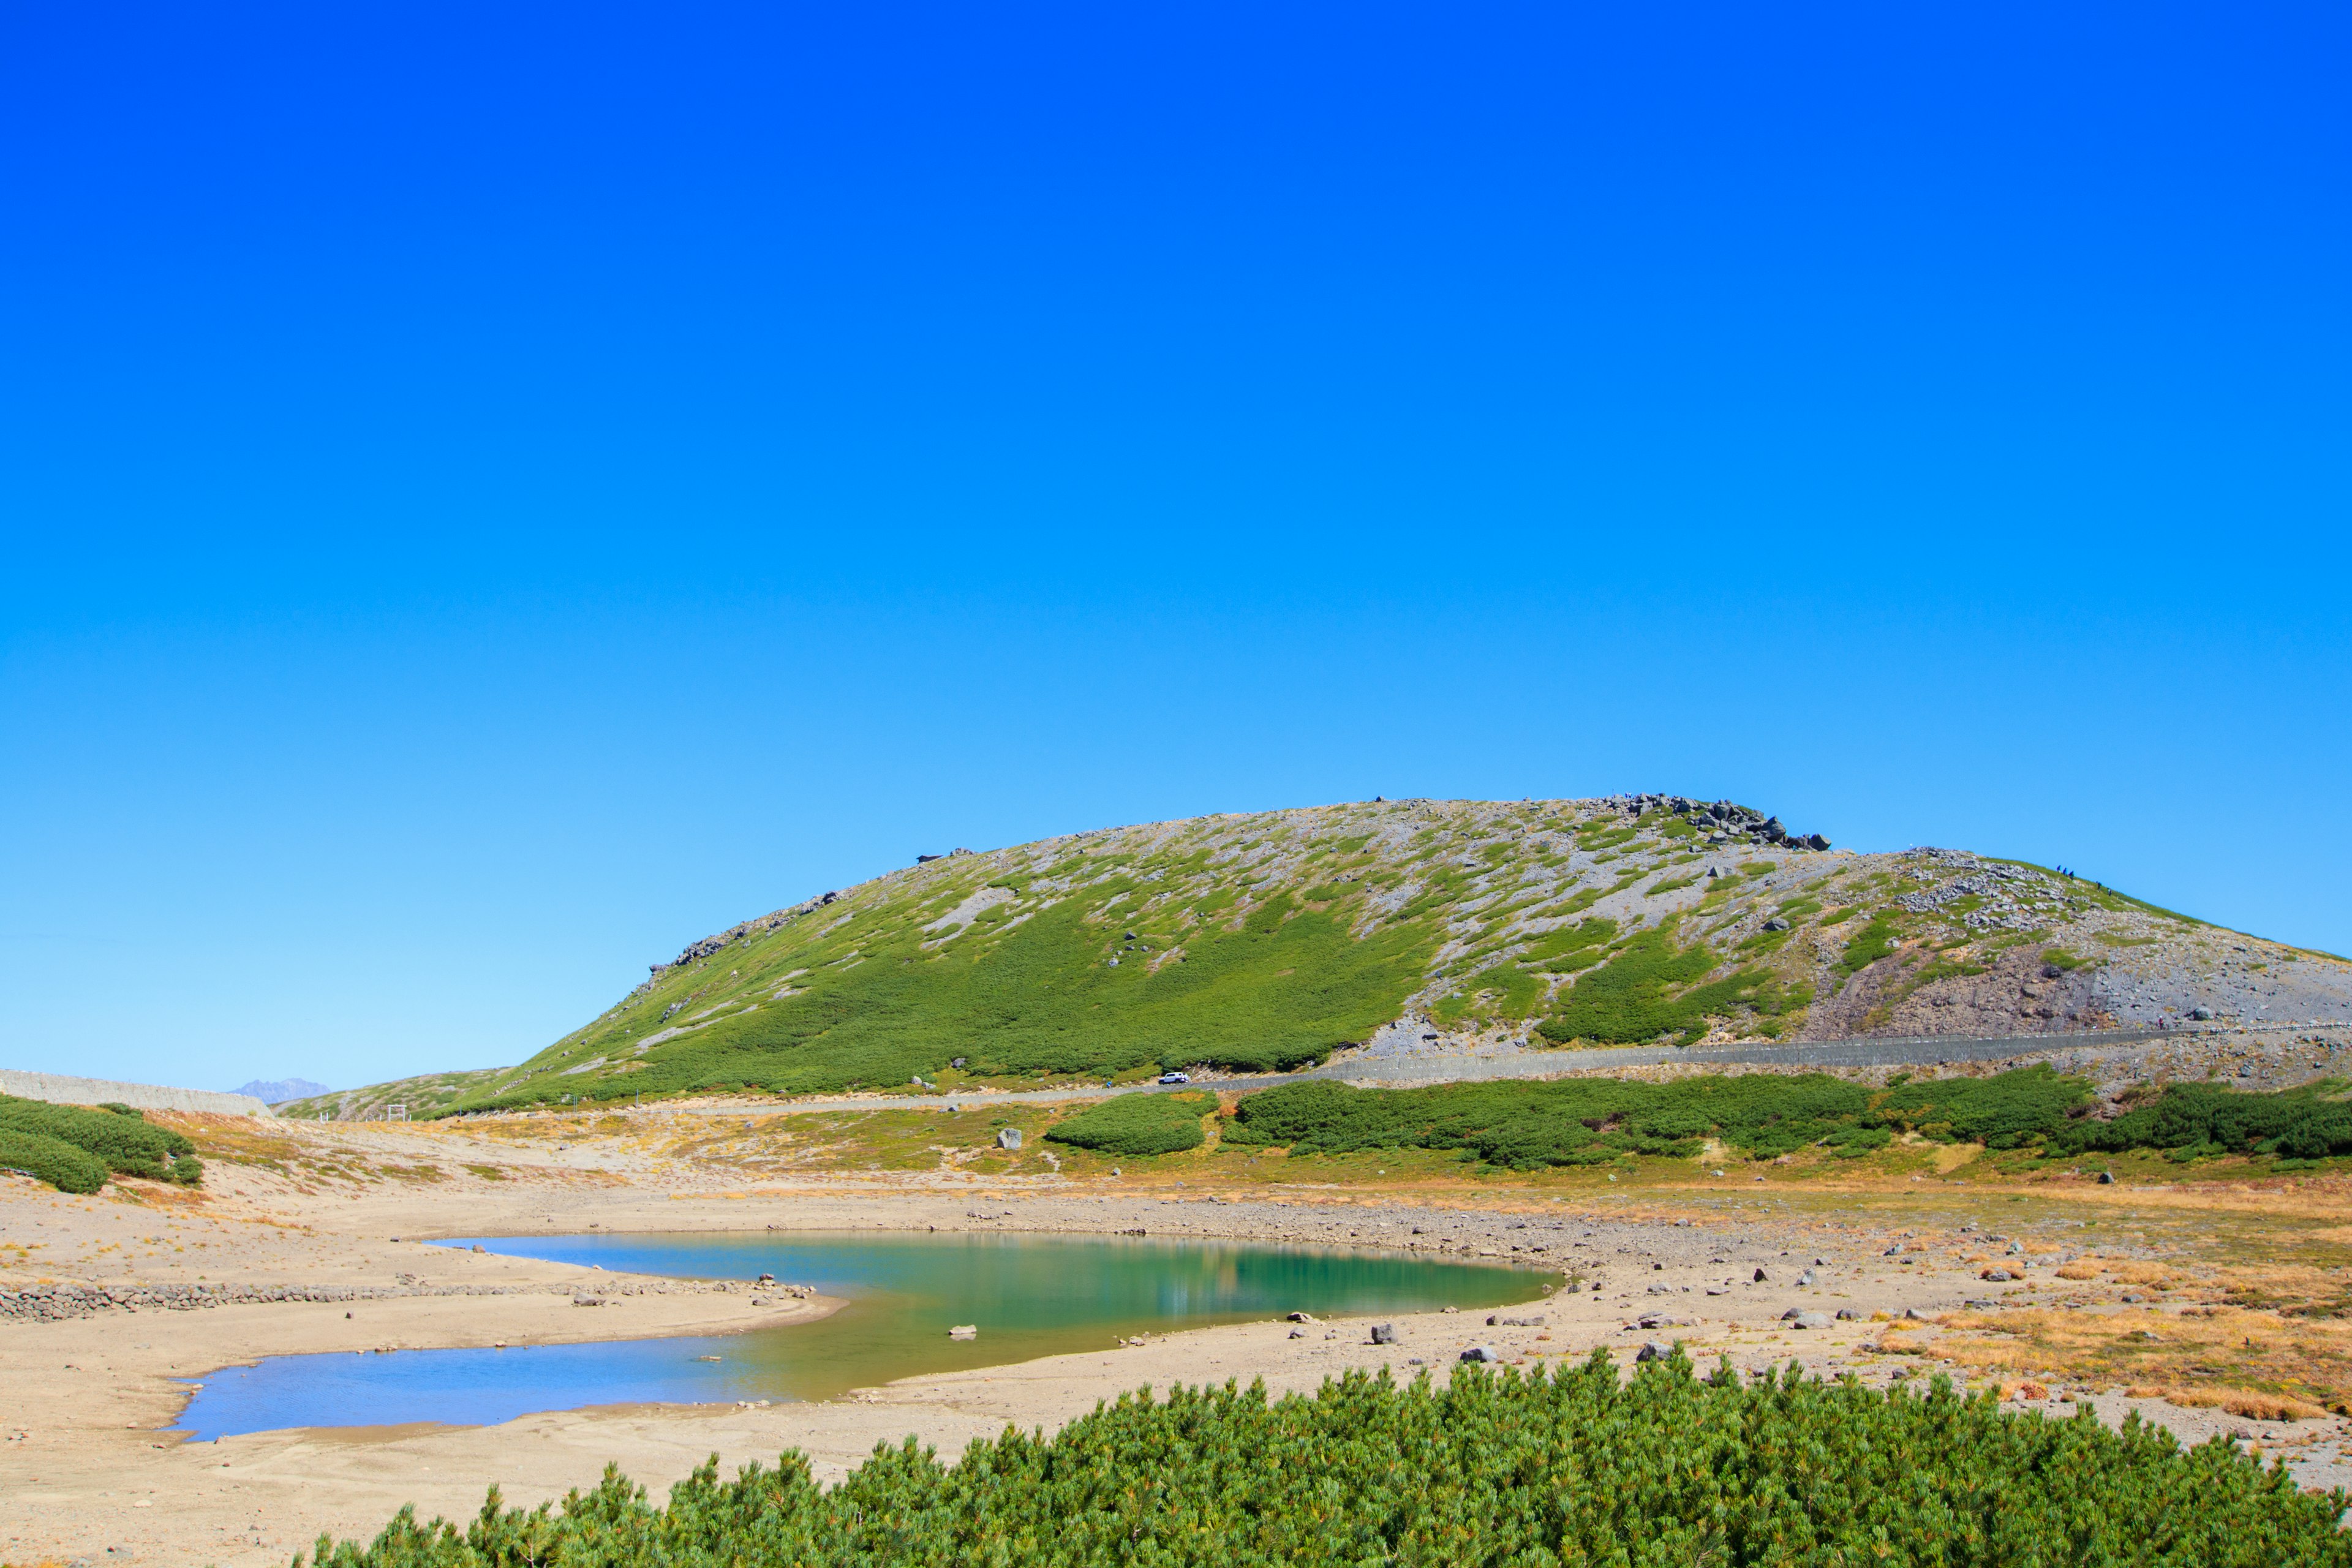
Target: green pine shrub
column 1568, row 1467
column 123, row 1140
column 2296, row 1123
column 1136, row 1124
column 51, row 1159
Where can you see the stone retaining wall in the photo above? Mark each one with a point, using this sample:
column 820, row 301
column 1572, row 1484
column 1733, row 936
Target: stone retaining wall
column 59, row 1088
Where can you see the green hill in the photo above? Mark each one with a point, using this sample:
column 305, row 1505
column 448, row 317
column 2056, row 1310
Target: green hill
column 1266, row 941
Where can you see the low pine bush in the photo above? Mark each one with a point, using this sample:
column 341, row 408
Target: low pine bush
column 2292, row 1122
column 51, row 1159
column 1571, row 1467
column 1584, row 1122
column 122, row 1139
column 1137, row 1125
column 2005, row 1112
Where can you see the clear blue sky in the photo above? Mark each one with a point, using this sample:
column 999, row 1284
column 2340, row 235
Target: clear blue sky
column 494, row 493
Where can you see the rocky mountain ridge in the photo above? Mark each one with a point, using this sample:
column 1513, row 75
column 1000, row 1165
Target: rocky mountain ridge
column 1268, row 941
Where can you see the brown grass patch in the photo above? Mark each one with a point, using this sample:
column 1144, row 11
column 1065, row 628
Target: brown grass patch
column 2252, row 1403
column 2225, row 1353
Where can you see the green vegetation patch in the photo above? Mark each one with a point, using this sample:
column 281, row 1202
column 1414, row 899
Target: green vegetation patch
column 1868, row 945
column 1650, row 989
column 2294, row 1123
column 123, row 1141
column 1134, row 1124
column 1589, row 1121
column 1043, row 1000
column 2005, row 1112
column 1584, row 1122
column 51, row 1159
column 1565, row 1467
column 1565, row 952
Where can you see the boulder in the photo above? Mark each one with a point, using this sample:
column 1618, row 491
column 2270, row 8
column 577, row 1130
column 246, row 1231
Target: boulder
column 1482, row 1353
column 1653, row 1350
column 1384, row 1334
column 1776, row 924
column 1008, row 1137
column 1811, row 1321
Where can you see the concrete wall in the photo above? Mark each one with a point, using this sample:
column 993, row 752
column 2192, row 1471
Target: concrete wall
column 66, row 1090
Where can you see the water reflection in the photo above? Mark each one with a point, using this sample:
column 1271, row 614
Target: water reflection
column 1031, row 1296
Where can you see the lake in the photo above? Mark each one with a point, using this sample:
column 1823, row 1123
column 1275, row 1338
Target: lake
column 1030, row 1296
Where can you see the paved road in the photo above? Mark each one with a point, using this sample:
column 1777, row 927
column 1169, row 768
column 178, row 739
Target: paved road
column 1914, row 1051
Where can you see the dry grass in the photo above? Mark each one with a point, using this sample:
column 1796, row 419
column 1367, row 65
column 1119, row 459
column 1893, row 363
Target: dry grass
column 2210, row 1356
column 2251, row 1404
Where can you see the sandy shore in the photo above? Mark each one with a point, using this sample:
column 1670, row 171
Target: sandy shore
column 87, row 1476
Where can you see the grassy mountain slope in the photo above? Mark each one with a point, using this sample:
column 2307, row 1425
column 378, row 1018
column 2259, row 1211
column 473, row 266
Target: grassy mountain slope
column 1266, row 942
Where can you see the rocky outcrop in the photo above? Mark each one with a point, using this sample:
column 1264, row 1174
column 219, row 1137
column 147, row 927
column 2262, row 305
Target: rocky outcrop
column 1723, row 821
column 709, row 946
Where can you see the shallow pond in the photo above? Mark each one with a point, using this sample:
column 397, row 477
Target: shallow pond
column 1028, row 1295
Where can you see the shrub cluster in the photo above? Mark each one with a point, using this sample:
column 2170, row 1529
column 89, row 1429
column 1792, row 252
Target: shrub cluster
column 1137, row 1125
column 2195, row 1118
column 118, row 1140
column 51, row 1159
column 1586, row 1122
column 1573, row 1466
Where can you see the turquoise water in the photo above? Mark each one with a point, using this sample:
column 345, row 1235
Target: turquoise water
column 1029, row 1295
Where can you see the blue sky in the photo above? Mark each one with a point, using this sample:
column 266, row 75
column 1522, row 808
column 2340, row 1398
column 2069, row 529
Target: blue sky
column 492, row 494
